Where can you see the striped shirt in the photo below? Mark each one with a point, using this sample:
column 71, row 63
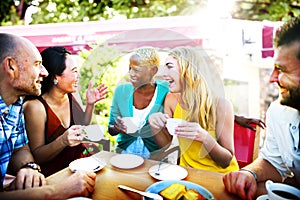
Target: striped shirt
column 12, row 132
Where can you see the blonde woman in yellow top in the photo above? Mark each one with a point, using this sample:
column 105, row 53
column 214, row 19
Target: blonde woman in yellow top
column 197, row 96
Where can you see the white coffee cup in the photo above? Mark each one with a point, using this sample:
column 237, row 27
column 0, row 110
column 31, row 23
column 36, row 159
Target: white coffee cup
column 173, row 123
column 133, row 124
column 281, row 191
column 93, row 132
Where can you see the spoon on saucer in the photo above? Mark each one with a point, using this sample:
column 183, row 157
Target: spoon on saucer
column 159, row 164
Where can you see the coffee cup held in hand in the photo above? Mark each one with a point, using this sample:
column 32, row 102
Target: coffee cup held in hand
column 93, row 132
column 281, row 191
column 173, row 123
column 132, row 124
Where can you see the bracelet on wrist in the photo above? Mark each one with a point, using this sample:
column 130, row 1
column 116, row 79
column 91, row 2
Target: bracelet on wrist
column 251, row 172
column 33, row 166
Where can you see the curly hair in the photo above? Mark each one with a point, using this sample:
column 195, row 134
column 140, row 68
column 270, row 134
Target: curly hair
column 148, row 56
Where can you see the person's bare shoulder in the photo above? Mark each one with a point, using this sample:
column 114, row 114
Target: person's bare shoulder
column 224, row 105
column 170, row 104
column 34, row 107
column 172, row 97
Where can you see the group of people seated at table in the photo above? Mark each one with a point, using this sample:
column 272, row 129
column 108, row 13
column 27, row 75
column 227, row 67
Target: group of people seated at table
column 192, row 90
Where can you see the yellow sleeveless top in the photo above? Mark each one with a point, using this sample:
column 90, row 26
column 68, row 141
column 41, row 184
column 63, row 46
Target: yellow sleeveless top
column 194, row 155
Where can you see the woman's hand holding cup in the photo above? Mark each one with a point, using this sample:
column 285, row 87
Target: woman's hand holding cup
column 157, row 121
column 72, row 136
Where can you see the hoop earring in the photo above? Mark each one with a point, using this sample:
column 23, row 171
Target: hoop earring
column 55, row 82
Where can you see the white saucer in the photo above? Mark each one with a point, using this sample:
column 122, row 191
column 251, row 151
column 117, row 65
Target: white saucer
column 168, row 172
column 126, row 161
column 263, row 197
column 87, row 164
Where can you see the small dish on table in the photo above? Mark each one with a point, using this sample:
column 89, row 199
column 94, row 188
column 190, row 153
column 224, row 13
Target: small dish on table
column 126, row 161
column 161, row 185
column 87, row 164
column 168, row 172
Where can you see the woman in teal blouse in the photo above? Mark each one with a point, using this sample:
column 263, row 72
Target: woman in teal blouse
column 139, row 98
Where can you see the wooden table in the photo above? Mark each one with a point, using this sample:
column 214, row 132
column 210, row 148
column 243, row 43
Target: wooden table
column 110, row 177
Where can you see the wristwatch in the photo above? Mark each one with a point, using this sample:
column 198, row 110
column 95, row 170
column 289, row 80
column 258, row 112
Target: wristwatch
column 32, row 165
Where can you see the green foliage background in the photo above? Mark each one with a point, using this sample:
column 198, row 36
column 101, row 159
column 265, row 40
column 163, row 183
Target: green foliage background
column 273, row 10
column 95, row 10
column 101, row 65
column 54, row 11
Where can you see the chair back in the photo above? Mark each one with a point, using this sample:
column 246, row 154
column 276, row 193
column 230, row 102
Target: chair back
column 105, row 144
column 244, row 142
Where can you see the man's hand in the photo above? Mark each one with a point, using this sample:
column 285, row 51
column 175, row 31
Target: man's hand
column 78, row 184
column 27, row 178
column 241, row 183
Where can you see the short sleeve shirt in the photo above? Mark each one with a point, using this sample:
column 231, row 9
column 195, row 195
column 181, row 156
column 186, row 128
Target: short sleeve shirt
column 282, row 137
column 12, row 132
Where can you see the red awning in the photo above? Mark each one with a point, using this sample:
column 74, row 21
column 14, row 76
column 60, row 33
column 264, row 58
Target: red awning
column 164, row 32
column 161, row 32
column 267, row 42
column 268, row 32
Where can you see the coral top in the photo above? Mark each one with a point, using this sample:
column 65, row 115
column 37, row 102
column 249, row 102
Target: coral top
column 193, row 154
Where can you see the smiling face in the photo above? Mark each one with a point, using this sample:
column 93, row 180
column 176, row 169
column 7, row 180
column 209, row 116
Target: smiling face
column 139, row 74
column 68, row 81
column 171, row 73
column 29, row 69
column 286, row 74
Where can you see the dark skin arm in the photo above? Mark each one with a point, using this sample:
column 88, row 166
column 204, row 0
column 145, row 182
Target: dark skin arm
column 245, row 122
column 112, row 130
column 117, row 127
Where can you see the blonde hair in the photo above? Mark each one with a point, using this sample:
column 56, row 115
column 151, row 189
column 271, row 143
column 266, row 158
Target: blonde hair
column 201, row 85
column 147, row 56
